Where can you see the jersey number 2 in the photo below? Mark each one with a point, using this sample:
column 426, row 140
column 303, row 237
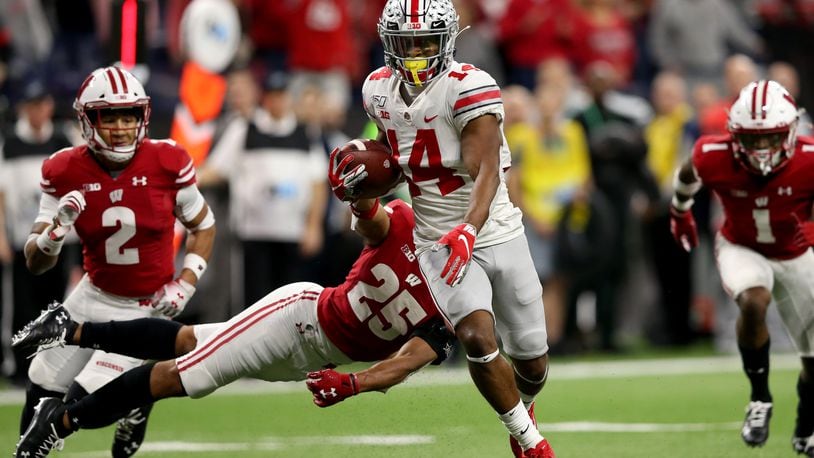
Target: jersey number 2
column 398, row 315
column 126, row 219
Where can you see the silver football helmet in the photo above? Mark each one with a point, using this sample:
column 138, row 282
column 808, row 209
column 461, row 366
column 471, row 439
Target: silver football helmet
column 418, row 38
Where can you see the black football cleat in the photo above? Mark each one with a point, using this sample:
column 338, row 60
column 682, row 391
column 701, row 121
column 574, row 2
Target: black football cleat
column 49, row 330
column 41, row 436
column 130, row 432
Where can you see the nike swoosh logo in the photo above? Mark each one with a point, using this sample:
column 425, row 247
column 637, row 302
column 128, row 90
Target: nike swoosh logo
column 462, row 238
column 524, row 430
column 427, row 120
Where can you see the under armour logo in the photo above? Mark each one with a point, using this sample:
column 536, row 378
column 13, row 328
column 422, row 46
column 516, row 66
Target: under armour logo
column 25, row 454
column 140, row 181
column 784, row 190
column 61, row 317
column 325, row 394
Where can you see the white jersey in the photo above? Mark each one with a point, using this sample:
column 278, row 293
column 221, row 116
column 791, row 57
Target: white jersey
column 426, row 140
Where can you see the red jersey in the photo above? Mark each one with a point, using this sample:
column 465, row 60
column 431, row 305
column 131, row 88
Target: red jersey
column 384, row 297
column 127, row 226
column 759, row 211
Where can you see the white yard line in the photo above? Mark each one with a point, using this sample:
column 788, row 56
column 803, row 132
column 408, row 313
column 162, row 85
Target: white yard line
column 282, row 443
column 564, row 371
column 269, row 443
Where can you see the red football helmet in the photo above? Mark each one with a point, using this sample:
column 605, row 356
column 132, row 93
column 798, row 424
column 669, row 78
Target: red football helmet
column 763, row 124
column 105, row 89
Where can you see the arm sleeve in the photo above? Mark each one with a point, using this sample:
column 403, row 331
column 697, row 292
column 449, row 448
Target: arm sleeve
column 188, row 203
column 48, row 209
column 437, row 336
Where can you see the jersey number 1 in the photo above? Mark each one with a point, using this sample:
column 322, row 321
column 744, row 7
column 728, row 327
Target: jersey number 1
column 763, row 226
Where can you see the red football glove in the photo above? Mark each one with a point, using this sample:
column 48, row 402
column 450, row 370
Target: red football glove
column 460, row 241
column 343, row 182
column 682, row 226
column 330, row 386
column 805, row 232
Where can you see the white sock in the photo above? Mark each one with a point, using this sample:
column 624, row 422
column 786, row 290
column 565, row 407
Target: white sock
column 519, row 425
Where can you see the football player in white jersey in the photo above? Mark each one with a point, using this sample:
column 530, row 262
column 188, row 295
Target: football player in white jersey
column 443, row 122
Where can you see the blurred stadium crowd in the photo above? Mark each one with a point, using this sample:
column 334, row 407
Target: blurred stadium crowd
column 603, row 99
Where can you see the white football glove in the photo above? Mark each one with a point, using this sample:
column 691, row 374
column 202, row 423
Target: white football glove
column 69, row 208
column 171, row 298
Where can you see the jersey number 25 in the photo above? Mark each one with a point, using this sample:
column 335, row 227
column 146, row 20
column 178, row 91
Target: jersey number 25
column 400, row 312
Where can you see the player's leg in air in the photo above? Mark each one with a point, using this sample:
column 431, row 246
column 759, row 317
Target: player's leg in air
column 146, row 338
column 214, row 355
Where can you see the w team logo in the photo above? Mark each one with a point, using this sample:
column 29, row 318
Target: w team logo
column 116, row 196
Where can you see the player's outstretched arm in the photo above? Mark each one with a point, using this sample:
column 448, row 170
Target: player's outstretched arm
column 371, row 221
column 330, row 386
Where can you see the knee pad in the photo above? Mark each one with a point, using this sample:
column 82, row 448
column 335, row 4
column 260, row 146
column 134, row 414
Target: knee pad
column 484, row 359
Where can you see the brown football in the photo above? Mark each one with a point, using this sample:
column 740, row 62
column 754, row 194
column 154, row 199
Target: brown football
column 383, row 173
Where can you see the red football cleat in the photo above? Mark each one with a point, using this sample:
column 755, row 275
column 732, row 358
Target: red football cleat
column 541, row 450
column 516, row 449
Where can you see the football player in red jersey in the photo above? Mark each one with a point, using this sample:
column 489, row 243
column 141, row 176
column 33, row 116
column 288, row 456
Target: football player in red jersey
column 762, row 173
column 122, row 193
column 382, row 310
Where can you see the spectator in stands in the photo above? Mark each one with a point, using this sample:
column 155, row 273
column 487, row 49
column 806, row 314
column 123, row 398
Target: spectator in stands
column 550, row 164
column 785, row 74
column 320, row 51
column 608, row 104
column 667, row 143
column 601, row 33
column 479, row 48
column 557, row 73
column 518, row 105
column 693, row 37
column 739, row 70
column 28, row 142
column 278, row 194
column 532, row 31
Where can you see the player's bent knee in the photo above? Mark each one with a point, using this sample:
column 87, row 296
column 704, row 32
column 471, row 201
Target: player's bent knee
column 754, row 302
column 165, row 380
column 533, row 371
column 186, row 341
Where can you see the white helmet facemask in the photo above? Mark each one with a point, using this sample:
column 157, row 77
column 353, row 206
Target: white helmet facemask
column 111, row 88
